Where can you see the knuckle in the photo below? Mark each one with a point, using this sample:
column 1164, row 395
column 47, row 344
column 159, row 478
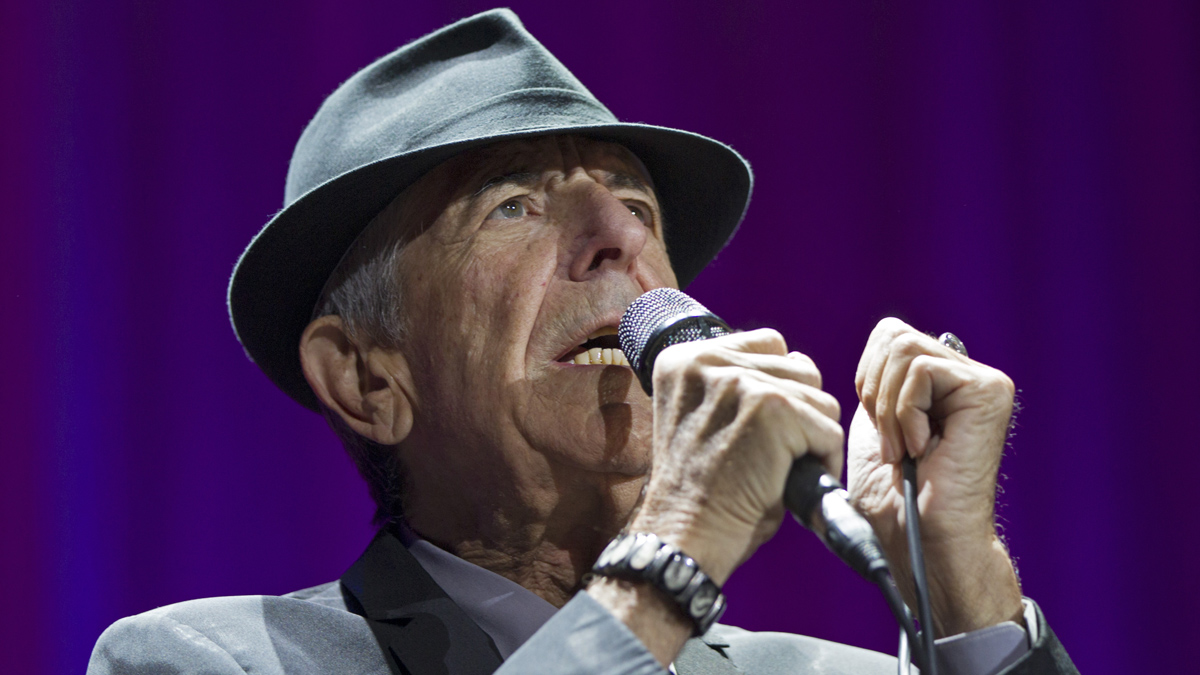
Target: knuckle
column 764, row 400
column 909, row 343
column 1000, row 384
column 672, row 359
column 770, row 339
column 868, row 392
column 834, row 406
column 831, row 428
column 1006, row 382
column 802, row 358
column 839, row 438
column 812, row 373
column 890, row 325
column 674, row 368
column 825, row 438
column 922, row 364
column 909, row 415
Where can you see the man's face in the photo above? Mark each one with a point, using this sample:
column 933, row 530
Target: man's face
column 529, row 249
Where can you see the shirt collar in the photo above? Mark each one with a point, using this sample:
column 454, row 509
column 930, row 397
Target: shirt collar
column 509, row 613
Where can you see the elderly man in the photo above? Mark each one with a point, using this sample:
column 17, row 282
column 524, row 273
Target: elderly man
column 465, row 225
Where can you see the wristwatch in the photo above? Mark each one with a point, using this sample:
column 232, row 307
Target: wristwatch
column 641, row 556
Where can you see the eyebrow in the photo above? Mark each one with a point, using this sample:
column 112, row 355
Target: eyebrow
column 627, row 180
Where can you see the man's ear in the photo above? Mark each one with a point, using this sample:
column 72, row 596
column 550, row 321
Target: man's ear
column 370, row 389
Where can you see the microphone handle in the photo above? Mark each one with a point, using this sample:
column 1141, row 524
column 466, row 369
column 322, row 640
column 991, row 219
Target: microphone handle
column 819, row 502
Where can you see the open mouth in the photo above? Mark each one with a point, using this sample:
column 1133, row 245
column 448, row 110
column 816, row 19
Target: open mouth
column 601, row 348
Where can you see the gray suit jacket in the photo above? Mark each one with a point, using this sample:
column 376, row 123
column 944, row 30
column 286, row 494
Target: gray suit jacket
column 386, row 616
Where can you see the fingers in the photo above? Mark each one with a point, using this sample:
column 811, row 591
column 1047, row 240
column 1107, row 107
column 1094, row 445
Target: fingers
column 823, row 402
column 871, row 363
column 721, row 393
column 761, row 350
column 899, row 375
column 795, row 366
column 731, row 416
column 799, row 422
column 878, row 349
column 761, row 341
column 913, row 402
column 722, row 380
column 895, row 371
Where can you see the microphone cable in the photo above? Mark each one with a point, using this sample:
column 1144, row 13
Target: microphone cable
column 916, row 555
column 916, row 559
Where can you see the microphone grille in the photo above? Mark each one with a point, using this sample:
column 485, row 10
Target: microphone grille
column 664, row 317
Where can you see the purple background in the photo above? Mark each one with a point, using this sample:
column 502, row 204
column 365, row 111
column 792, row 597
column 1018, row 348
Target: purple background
column 1026, row 174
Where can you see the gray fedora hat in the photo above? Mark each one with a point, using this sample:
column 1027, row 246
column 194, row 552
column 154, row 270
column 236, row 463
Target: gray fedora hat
column 475, row 82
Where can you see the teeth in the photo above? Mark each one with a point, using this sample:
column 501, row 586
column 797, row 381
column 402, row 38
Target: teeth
column 597, row 356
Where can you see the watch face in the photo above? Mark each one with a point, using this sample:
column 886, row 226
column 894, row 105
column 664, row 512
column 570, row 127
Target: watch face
column 678, row 573
column 702, row 601
column 644, row 554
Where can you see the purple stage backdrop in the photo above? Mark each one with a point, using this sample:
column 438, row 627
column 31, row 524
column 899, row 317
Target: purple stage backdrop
column 1026, row 174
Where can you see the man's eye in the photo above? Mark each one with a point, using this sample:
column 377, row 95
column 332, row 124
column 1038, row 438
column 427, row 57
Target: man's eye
column 512, row 208
column 638, row 212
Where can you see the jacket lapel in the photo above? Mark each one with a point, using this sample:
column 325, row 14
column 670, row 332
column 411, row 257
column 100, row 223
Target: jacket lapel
column 418, row 627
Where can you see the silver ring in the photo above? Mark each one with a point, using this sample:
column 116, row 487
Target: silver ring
column 951, row 340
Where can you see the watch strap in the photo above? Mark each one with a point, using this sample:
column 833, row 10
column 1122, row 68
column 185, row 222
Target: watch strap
column 641, row 556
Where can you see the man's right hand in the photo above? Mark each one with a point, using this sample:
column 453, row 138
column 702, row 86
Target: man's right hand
column 731, row 415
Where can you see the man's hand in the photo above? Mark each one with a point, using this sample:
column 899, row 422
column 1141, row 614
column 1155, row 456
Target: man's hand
column 950, row 414
column 731, row 415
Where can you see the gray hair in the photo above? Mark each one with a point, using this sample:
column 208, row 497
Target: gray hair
column 364, row 290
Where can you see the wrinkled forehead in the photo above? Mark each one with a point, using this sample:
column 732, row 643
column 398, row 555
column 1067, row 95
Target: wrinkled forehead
column 540, row 154
column 460, row 176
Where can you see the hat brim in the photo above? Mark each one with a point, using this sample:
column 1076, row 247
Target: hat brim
column 703, row 187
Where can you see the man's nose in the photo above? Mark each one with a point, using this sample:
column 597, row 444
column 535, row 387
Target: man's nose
column 603, row 234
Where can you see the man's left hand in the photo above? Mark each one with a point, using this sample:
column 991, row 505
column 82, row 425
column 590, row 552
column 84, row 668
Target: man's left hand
column 951, row 414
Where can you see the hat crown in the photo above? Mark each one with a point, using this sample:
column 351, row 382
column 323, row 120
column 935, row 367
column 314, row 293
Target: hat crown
column 439, row 89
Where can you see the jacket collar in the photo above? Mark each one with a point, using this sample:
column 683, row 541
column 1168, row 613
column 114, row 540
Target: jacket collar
column 418, row 627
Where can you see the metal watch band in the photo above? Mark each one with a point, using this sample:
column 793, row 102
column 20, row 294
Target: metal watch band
column 640, row 556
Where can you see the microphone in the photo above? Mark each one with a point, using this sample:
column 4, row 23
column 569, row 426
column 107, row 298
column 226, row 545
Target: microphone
column 664, row 317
